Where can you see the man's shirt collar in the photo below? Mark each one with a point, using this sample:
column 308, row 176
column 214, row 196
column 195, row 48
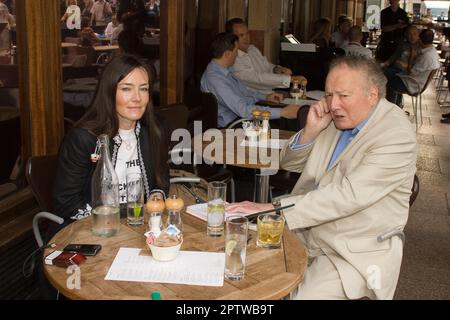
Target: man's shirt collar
column 221, row 69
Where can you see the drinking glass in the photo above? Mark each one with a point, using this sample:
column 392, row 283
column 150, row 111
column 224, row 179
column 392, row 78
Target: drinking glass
column 235, row 247
column 270, row 230
column 217, row 194
column 135, row 199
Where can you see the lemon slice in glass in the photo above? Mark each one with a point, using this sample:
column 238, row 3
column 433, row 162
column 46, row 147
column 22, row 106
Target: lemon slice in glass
column 229, row 247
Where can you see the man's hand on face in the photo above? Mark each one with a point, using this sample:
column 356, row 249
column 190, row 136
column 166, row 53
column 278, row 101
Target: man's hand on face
column 282, row 70
column 319, row 117
column 275, row 97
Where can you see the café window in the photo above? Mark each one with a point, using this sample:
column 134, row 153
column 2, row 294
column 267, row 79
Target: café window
column 10, row 179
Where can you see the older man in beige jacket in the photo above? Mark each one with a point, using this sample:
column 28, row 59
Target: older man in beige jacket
column 357, row 155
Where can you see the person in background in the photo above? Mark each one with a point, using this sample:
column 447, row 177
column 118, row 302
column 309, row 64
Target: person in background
column 322, row 33
column 87, row 35
column 252, row 68
column 86, row 7
column 130, row 39
column 406, row 54
column 393, row 22
column 5, row 17
column 354, row 47
column 134, row 8
column 152, row 8
column 122, row 109
column 357, row 155
column 234, row 99
column 100, row 12
column 70, row 11
column 339, row 38
column 111, row 27
column 414, row 80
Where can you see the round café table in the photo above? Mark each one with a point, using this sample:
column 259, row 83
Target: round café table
column 269, row 274
column 249, row 157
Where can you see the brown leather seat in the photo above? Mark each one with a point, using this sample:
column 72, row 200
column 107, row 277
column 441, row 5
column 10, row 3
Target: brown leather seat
column 41, row 174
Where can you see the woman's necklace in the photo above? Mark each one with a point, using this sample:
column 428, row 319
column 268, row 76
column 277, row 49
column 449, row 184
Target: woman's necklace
column 128, row 145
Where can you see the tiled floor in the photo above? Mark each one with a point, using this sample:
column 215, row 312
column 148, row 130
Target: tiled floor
column 425, row 270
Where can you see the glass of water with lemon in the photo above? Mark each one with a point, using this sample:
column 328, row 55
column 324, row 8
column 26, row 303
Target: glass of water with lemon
column 217, row 193
column 235, row 247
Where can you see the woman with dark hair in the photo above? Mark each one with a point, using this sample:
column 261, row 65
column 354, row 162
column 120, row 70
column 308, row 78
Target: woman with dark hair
column 122, row 109
column 321, row 36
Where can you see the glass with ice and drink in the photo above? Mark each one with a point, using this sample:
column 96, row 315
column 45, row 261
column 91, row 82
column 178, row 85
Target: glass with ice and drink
column 270, row 231
column 217, row 192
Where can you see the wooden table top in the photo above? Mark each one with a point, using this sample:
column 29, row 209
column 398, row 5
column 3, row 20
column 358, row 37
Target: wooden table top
column 269, row 274
column 68, row 44
column 106, row 48
column 229, row 155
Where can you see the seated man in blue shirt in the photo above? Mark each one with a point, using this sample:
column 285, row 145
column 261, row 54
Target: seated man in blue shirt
column 233, row 97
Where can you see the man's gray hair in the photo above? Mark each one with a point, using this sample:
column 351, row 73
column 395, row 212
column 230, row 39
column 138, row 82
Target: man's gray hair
column 373, row 72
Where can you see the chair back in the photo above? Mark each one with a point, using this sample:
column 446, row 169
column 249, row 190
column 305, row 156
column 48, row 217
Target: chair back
column 75, row 40
column 430, row 78
column 175, row 116
column 41, row 174
column 76, row 61
column 91, row 55
column 209, row 110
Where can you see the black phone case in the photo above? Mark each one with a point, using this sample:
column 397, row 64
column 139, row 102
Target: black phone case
column 87, row 250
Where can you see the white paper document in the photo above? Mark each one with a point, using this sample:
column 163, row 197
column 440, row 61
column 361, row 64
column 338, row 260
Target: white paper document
column 200, row 211
column 267, row 144
column 191, row 268
column 299, row 102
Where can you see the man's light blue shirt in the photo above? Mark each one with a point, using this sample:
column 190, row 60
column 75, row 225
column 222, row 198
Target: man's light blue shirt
column 344, row 140
column 233, row 97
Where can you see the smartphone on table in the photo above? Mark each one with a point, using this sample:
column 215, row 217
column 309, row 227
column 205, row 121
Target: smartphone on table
column 84, row 249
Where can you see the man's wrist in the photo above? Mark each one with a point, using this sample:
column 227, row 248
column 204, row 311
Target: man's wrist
column 308, row 137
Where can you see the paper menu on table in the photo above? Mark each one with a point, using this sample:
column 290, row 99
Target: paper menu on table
column 190, row 268
column 200, row 211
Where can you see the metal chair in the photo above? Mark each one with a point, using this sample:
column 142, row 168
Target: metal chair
column 417, row 96
column 414, row 191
